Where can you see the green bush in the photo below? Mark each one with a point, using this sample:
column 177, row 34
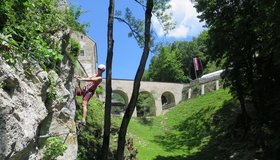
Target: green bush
column 54, row 147
column 28, row 27
column 99, row 90
column 52, row 91
column 145, row 105
column 74, row 52
column 75, row 47
column 90, row 137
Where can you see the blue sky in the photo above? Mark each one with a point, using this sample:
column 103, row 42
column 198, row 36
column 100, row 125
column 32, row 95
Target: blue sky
column 127, row 53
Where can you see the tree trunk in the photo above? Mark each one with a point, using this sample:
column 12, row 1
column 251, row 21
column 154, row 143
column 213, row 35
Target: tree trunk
column 240, row 96
column 107, row 118
column 137, row 79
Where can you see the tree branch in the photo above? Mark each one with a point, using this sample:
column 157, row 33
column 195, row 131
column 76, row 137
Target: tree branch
column 144, row 7
column 135, row 34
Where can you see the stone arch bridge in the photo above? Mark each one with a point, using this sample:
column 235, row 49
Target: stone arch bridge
column 170, row 92
column 165, row 94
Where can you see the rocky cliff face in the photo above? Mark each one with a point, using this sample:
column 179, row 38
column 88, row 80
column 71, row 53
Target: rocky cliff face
column 36, row 104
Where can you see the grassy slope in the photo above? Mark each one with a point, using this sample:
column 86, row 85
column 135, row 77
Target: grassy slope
column 184, row 130
column 193, row 130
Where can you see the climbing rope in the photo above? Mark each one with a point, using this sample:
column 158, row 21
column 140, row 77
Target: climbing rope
column 55, row 134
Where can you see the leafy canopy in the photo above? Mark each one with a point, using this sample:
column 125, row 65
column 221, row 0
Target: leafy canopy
column 136, row 26
column 245, row 34
column 174, row 62
column 28, row 30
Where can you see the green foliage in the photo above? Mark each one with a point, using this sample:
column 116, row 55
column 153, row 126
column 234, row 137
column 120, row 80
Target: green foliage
column 54, row 147
column 52, row 90
column 75, row 47
column 120, row 103
column 6, row 45
column 188, row 50
column 160, row 11
column 118, row 97
column 211, row 66
column 29, row 28
column 90, row 139
column 239, row 36
column 244, row 43
column 74, row 52
column 196, row 90
column 71, row 18
column 186, row 129
column 145, row 105
column 146, row 76
column 99, row 90
column 174, row 62
column 165, row 67
column 26, row 22
column 137, row 26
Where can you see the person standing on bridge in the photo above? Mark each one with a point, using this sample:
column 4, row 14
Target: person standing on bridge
column 88, row 90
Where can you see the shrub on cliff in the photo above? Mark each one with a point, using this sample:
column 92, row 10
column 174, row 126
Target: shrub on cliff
column 28, row 27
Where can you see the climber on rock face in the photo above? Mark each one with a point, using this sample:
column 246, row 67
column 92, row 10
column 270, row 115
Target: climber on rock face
column 88, row 90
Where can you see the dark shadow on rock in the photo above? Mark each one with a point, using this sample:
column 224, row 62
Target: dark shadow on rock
column 43, row 129
column 3, row 136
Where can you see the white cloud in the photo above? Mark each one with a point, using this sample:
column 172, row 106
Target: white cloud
column 185, row 16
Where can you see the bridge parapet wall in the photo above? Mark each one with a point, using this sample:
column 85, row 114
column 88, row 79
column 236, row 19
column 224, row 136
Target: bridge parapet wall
column 201, row 86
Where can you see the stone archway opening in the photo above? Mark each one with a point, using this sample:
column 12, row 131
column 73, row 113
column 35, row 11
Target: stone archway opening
column 119, row 102
column 145, row 105
column 167, row 100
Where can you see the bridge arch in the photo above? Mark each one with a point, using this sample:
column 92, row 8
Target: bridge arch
column 147, row 104
column 119, row 102
column 122, row 94
column 167, row 100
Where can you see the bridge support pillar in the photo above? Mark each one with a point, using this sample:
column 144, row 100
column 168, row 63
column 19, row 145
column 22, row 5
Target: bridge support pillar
column 217, row 85
column 190, row 93
column 134, row 114
column 202, row 89
column 158, row 107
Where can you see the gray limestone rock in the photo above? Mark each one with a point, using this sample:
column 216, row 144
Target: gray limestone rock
column 26, row 113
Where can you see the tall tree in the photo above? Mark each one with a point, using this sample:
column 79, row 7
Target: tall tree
column 244, row 34
column 174, row 62
column 108, row 102
column 166, row 66
column 136, row 30
column 144, row 40
column 131, row 106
